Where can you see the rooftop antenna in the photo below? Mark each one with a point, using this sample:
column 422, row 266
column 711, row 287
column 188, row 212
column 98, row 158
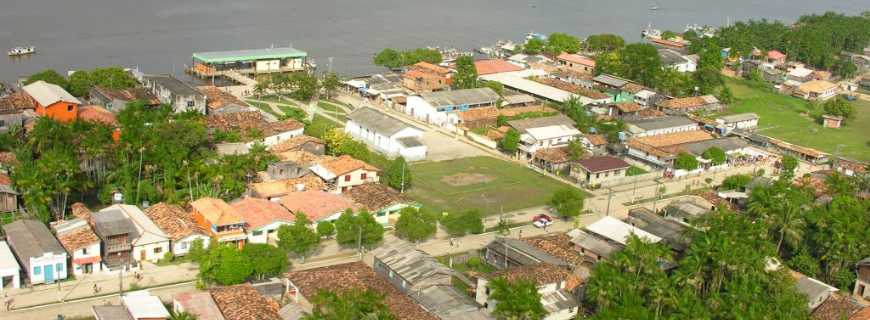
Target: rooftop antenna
column 272, row 46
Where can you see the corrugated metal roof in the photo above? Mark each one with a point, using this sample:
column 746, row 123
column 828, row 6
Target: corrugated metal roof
column 48, row 93
column 619, row 231
column 377, row 121
column 461, row 97
column 31, row 238
column 248, row 55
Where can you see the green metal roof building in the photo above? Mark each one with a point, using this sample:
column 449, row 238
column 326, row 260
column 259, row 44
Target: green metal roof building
column 267, row 60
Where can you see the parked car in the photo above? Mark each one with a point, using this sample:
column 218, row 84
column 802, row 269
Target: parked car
column 542, row 221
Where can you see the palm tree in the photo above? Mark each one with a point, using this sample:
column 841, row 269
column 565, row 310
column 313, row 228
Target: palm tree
column 789, row 223
column 181, row 316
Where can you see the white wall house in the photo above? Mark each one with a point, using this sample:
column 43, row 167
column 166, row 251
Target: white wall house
column 152, row 243
column 738, row 121
column 672, row 59
column 262, row 218
column 182, row 246
column 80, row 242
column 386, row 134
column 43, row 258
column 549, row 137
column 343, row 173
column 559, row 304
column 282, row 136
column 660, row 126
column 10, row 271
column 441, row 107
column 181, row 96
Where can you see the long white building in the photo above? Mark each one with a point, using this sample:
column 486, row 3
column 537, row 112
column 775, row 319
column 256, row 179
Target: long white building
column 386, row 134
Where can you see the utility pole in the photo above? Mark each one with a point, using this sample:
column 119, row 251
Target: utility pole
column 403, row 178
column 609, row 197
column 139, row 178
column 359, row 241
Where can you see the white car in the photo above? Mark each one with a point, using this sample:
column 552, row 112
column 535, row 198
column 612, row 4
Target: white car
column 542, row 221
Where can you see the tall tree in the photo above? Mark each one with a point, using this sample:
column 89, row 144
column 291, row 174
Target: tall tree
column 397, row 174
column 389, row 58
column 517, row 299
column 306, row 85
column 415, row 224
column 330, row 83
column 265, row 259
column 510, row 142
column 789, row 166
column 644, row 64
column 347, row 305
column 463, row 222
column 568, row 202
column 604, row 42
column 534, row 46
column 358, row 229
column 49, row 76
column 559, row 42
column 715, row 155
column 298, row 239
column 466, row 74
column 225, row 265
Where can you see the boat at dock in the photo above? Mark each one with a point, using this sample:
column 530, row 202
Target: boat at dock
column 20, row 51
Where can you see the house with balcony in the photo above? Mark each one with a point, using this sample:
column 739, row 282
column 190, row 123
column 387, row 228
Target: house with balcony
column 181, row 96
column 178, row 225
column 43, row 259
column 544, row 133
column 220, row 220
column 344, row 172
column 152, row 243
column 116, row 233
column 81, row 244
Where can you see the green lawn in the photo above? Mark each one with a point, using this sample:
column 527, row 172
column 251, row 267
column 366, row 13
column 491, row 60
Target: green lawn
column 483, row 183
column 330, row 107
column 263, row 106
column 787, row 118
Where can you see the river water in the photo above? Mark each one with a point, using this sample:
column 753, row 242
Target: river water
column 159, row 36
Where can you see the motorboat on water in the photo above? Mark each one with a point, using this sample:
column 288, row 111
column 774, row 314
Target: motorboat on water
column 20, row 51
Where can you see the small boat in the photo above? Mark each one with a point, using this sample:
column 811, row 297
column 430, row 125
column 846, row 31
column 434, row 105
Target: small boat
column 20, row 51
column 651, row 32
column 654, row 8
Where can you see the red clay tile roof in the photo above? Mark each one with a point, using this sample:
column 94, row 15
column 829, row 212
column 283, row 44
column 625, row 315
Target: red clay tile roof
column 683, row 103
column 243, row 302
column 513, row 111
column 282, row 187
column 17, row 100
column 78, row 238
column 8, row 158
column 358, row 276
column 479, row 114
column 603, row 163
column 836, row 307
column 490, row 66
column 345, row 164
column 576, row 58
column 539, row 273
column 633, row 88
column 375, row 196
column 129, row 95
column 5, row 180
column 553, row 155
column 774, row 54
column 217, row 211
column 558, row 245
column 243, row 121
column 172, row 220
column 596, row 139
column 294, row 144
column 79, row 210
column 217, row 98
column 317, row 205
column 428, row 67
column 669, row 43
column 628, row 106
column 670, row 139
column 97, row 114
column 261, row 212
column 573, row 88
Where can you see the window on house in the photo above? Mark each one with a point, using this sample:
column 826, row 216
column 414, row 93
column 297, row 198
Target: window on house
column 362, row 176
column 158, row 250
column 37, row 270
column 58, row 267
column 84, row 251
column 343, row 189
column 190, row 103
column 347, row 178
column 2, row 123
column 258, row 233
column 184, row 245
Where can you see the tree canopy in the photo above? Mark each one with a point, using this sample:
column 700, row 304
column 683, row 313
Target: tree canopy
column 604, row 42
column 568, row 202
column 715, row 155
column 559, row 42
column 463, row 222
column 360, row 228
column 393, row 59
column 397, row 174
column 266, row 260
column 517, row 299
column 686, row 161
column 466, row 74
column 839, row 107
column 347, row 305
column 415, row 224
column 298, row 238
column 226, row 265
column 510, row 142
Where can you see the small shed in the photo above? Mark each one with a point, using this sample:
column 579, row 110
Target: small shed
column 830, row 121
column 10, row 271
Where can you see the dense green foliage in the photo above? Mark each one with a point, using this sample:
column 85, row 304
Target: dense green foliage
column 325, row 229
column 788, row 167
column 839, row 107
column 141, row 165
column 347, row 305
column 330, row 83
column 816, row 40
column 397, row 175
column 604, row 42
column 567, row 202
column 416, row 224
column 686, row 161
column 715, row 155
column 736, row 182
column 516, row 299
column 466, row 74
column 712, row 280
column 463, row 222
column 534, row 46
column 49, row 76
column 360, row 228
column 394, row 59
column 81, row 82
column 298, row 238
column 266, row 260
column 510, row 142
column 638, row 61
column 305, row 86
column 559, row 42
column 226, row 265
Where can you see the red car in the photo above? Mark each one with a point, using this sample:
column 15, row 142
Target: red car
column 542, row 221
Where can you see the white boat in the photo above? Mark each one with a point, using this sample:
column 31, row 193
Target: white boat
column 20, row 51
column 650, row 32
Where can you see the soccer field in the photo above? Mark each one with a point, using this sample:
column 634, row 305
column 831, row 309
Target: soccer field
column 787, row 118
column 484, row 183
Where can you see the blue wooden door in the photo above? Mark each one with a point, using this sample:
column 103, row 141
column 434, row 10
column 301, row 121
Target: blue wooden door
column 49, row 273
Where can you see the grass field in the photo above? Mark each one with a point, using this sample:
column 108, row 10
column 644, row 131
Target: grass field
column 787, row 118
column 483, row 183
